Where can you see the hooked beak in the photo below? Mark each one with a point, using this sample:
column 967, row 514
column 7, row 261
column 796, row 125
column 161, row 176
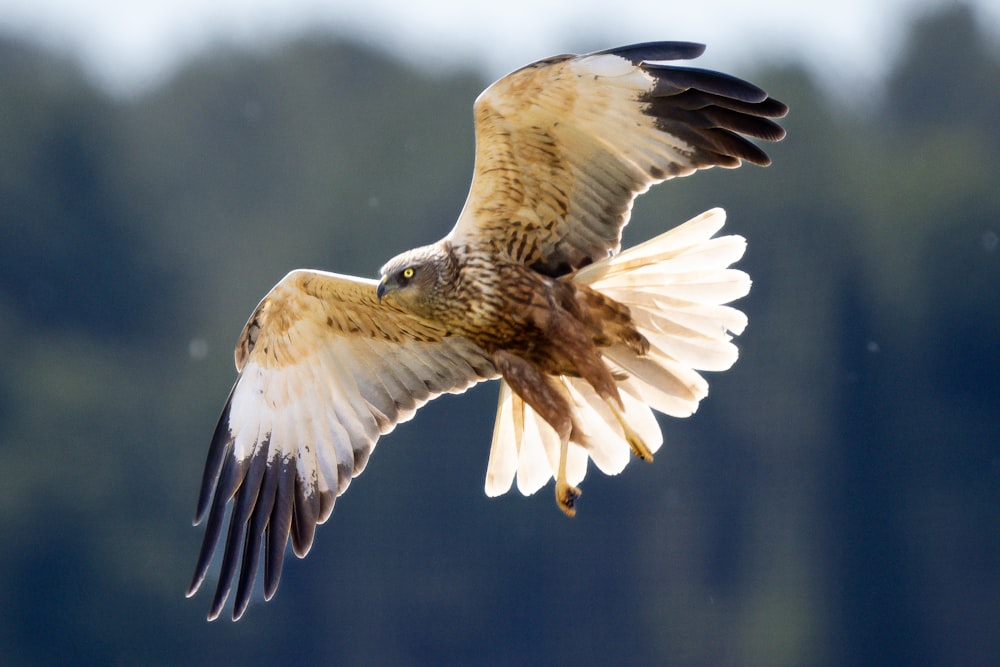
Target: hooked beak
column 380, row 290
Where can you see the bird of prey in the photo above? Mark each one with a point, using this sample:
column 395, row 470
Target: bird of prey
column 529, row 287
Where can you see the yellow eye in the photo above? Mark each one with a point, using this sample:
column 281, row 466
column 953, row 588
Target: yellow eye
column 408, row 272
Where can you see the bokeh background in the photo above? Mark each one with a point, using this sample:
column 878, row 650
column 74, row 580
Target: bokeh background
column 835, row 501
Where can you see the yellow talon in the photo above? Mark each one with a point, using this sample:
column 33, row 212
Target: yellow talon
column 566, row 493
column 634, row 440
column 566, row 496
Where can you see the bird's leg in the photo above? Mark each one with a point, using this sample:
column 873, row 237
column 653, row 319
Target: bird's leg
column 635, row 441
column 566, row 493
column 546, row 397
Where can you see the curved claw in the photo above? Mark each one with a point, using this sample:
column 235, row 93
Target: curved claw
column 566, row 496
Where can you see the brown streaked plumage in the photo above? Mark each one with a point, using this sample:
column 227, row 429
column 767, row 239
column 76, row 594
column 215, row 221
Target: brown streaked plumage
column 528, row 286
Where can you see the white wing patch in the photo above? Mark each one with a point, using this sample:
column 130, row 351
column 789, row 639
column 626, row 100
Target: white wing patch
column 676, row 286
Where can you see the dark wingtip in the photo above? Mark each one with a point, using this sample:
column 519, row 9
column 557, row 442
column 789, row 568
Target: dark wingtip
column 248, row 573
column 671, row 79
column 775, row 109
column 274, row 560
column 713, row 112
column 213, row 613
column 231, row 555
column 193, row 586
column 304, row 518
column 278, row 527
column 647, row 51
column 710, row 111
column 213, row 529
column 221, row 445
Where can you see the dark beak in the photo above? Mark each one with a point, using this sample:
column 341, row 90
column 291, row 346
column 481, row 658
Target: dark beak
column 380, row 290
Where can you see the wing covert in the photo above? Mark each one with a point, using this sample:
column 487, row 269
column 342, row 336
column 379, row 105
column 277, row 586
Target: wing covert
column 565, row 145
column 325, row 369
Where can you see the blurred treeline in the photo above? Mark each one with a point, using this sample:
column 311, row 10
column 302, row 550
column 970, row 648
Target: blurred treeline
column 836, row 500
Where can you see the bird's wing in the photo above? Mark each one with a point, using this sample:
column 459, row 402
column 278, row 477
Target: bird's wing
column 325, row 369
column 565, row 145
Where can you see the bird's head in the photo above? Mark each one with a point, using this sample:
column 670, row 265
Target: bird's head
column 418, row 279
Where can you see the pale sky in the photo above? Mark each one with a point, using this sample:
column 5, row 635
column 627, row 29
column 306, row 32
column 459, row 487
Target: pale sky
column 133, row 45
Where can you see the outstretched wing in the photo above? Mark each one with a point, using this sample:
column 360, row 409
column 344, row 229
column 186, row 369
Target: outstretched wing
column 565, row 145
column 325, row 369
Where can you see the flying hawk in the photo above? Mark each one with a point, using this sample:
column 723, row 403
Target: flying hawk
column 529, row 286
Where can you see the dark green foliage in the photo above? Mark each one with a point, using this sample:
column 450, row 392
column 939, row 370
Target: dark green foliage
column 836, row 500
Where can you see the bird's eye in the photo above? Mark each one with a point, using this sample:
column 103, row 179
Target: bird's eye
column 408, row 272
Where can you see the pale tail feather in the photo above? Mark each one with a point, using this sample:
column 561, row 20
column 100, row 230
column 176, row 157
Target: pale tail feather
column 675, row 285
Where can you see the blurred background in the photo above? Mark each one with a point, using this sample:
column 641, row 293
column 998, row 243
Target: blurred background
column 836, row 499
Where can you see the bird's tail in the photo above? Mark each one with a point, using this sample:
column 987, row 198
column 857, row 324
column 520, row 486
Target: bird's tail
column 675, row 286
